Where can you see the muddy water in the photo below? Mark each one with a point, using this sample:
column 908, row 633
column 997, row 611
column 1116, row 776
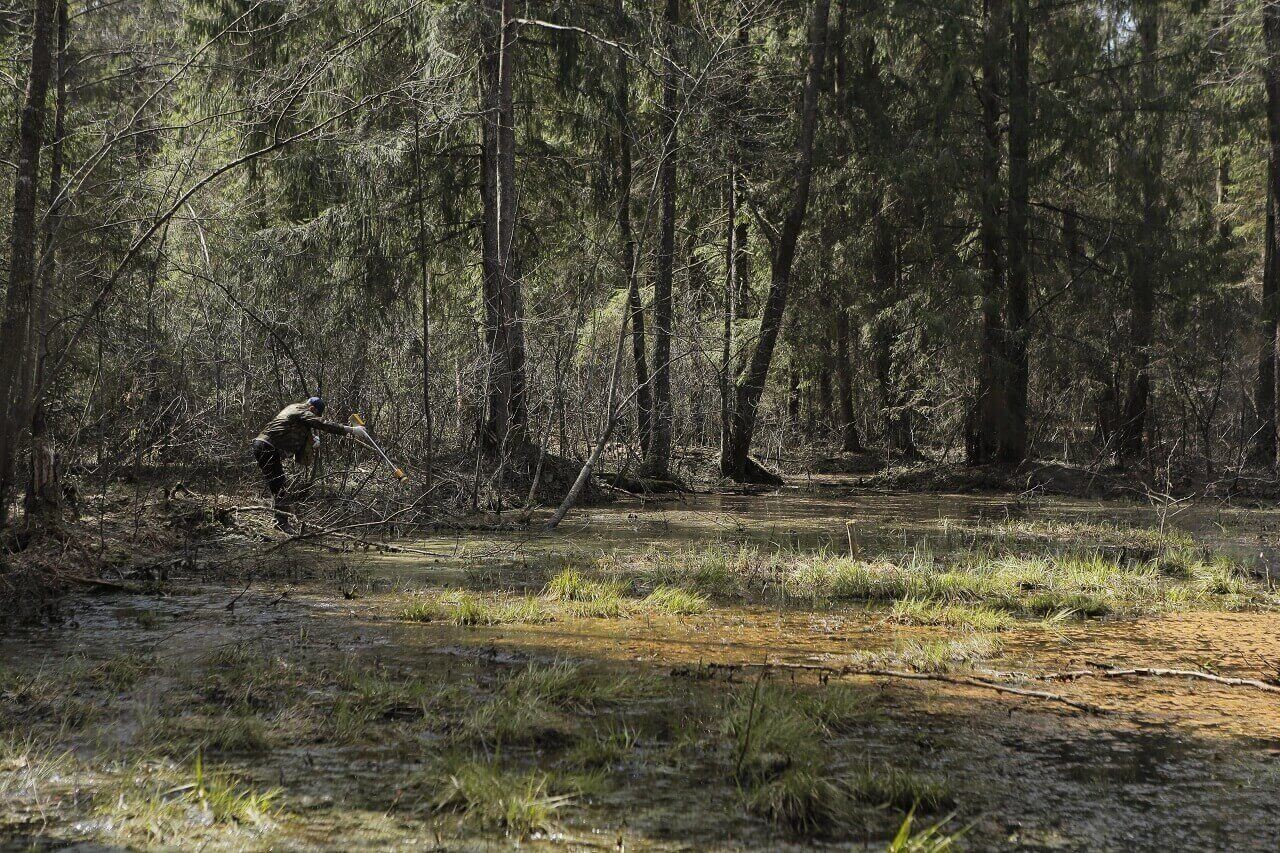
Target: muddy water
column 1243, row 644
column 810, row 520
column 1202, row 757
column 1171, row 764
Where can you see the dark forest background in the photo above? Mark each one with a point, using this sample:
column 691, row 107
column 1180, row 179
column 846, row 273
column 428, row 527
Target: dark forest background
column 971, row 230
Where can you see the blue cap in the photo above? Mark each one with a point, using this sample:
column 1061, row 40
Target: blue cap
column 316, row 403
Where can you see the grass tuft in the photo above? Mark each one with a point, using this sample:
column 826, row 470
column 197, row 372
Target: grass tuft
column 900, row 789
column 779, row 762
column 488, row 796
column 168, row 806
column 981, row 587
column 566, row 685
column 801, row 799
column 674, row 600
column 605, row 747
column 468, row 609
column 931, row 839
column 935, row 655
column 232, row 733
column 917, row 611
column 586, row 597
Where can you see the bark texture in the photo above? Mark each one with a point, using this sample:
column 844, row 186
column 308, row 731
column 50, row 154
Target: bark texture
column 734, row 459
column 15, row 330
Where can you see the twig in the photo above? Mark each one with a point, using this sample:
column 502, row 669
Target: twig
column 231, row 605
column 1144, row 672
column 967, row 681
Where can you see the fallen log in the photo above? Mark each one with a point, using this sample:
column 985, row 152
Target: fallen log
column 102, row 585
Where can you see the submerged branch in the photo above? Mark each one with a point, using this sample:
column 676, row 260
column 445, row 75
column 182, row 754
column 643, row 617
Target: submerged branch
column 963, row 680
column 1144, row 672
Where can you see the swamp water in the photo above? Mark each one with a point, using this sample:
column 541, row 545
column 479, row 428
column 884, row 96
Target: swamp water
column 600, row 728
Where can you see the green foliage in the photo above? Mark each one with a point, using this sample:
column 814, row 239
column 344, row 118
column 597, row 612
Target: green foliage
column 931, row 839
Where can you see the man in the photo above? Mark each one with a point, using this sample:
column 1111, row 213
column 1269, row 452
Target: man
column 289, row 433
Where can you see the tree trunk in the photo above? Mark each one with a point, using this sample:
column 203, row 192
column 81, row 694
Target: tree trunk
column 14, row 332
column 1264, row 445
column 734, row 459
column 658, row 457
column 424, row 276
column 1013, row 444
column 494, row 424
column 506, row 421
column 43, row 502
column 793, row 394
column 850, row 442
column 730, row 304
column 622, row 115
column 1145, row 255
column 992, row 406
column 826, row 400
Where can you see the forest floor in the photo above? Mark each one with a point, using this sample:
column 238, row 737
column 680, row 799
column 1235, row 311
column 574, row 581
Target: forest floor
column 810, row 668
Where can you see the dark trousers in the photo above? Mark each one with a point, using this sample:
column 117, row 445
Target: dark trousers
column 268, row 459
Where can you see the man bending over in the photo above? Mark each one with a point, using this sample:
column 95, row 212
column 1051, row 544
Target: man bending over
column 289, row 434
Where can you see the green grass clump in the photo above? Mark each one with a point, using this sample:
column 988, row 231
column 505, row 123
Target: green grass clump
column 778, row 740
column 28, row 765
column 586, row 597
column 610, row 607
column 168, row 806
column 985, row 586
column 241, row 674
column 233, row 733
column 931, row 839
column 900, row 789
column 916, row 611
column 606, row 747
column 572, row 585
column 802, row 799
column 711, row 569
column 468, row 610
column 532, row 706
column 424, row 610
column 511, row 719
column 118, row 673
column 1011, row 534
column 488, row 796
column 779, row 761
column 674, row 600
column 1062, row 604
column 567, row 685
column 935, row 655
column 839, row 707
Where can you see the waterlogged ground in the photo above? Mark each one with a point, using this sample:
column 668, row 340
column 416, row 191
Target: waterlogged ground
column 603, row 687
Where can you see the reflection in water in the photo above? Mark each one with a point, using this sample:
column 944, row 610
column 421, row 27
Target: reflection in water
column 873, row 525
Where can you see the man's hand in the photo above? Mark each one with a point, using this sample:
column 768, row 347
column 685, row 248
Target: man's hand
column 358, row 431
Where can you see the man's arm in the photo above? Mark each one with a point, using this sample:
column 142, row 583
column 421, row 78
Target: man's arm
column 317, row 422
